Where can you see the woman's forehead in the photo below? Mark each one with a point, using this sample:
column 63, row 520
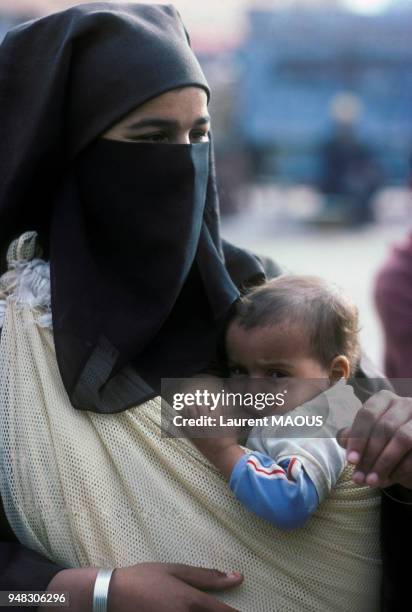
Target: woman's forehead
column 183, row 105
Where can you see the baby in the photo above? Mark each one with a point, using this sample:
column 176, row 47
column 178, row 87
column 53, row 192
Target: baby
column 293, row 327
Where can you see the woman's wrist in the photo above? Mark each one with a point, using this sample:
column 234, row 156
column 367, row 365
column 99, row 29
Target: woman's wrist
column 79, row 584
column 101, row 590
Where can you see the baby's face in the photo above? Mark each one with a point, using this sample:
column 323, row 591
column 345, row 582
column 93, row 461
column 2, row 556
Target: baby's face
column 275, row 351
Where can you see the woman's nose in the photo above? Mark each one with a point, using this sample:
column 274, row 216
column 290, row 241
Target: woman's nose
column 182, row 138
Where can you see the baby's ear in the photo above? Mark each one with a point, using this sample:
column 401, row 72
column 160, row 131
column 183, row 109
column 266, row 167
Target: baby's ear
column 339, row 368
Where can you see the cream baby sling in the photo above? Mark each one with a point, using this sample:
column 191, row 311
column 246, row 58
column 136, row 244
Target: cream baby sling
column 107, row 490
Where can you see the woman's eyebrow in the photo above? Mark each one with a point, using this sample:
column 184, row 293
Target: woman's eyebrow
column 202, row 120
column 158, row 122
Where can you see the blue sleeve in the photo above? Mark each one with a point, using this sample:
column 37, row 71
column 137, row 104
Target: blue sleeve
column 267, row 489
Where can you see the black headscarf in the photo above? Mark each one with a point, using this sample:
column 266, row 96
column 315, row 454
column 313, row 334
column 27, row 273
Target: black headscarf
column 139, row 281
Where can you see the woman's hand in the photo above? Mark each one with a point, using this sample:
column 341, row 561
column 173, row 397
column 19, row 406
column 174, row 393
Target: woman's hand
column 163, row 587
column 169, row 587
column 379, row 443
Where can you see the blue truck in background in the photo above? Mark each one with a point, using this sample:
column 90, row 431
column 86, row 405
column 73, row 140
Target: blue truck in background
column 292, row 65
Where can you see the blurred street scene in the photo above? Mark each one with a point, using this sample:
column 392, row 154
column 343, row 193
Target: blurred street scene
column 349, row 258
column 312, row 126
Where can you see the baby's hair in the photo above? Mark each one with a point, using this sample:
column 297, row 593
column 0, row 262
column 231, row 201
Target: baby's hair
column 328, row 317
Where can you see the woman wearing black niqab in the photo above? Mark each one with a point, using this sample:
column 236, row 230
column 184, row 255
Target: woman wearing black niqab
column 138, row 275
column 139, row 281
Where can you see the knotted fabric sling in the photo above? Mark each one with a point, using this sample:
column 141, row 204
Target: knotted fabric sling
column 91, row 489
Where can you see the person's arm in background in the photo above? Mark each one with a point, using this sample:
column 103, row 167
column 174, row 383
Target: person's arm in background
column 393, row 299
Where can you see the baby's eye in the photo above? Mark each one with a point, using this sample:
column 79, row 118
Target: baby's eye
column 276, row 374
column 236, row 372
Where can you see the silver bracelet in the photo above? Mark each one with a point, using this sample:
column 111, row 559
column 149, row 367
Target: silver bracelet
column 101, row 590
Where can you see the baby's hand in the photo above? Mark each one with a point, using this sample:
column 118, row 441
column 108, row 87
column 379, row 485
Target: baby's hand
column 221, row 448
column 224, row 453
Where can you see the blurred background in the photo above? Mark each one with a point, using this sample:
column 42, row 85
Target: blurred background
column 312, row 123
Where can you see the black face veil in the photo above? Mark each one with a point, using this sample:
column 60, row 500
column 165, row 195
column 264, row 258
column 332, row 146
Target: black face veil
column 139, row 280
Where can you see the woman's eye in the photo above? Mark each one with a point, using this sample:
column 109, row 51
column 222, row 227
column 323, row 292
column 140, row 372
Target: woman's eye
column 199, row 136
column 156, row 137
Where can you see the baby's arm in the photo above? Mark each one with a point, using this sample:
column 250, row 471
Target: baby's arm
column 281, row 493
column 321, row 459
column 317, row 465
